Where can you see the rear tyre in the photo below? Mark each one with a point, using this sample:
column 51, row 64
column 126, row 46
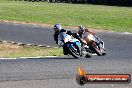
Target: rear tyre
column 104, row 53
column 88, row 55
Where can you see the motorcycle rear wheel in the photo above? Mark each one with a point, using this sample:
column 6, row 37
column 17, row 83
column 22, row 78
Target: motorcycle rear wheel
column 88, row 55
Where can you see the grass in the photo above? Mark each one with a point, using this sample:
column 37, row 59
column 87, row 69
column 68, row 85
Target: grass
column 94, row 16
column 15, row 51
column 5, row 0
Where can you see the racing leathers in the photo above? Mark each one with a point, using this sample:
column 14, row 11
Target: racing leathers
column 84, row 35
column 61, row 35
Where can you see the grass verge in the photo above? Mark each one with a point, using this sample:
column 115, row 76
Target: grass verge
column 15, row 51
column 94, row 16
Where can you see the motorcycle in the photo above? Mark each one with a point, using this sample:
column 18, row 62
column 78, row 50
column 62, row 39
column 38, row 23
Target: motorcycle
column 93, row 46
column 74, row 48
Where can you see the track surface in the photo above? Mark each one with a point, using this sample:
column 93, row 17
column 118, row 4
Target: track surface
column 29, row 34
column 61, row 72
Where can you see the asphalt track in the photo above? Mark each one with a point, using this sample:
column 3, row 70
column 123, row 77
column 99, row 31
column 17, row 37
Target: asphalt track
column 60, row 72
column 29, row 34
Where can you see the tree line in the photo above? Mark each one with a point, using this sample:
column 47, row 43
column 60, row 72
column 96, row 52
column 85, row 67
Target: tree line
column 102, row 2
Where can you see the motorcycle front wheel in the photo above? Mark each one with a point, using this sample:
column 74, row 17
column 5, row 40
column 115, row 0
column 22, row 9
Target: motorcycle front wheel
column 96, row 49
column 74, row 52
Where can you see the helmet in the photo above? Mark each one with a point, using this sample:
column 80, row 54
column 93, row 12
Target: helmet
column 81, row 27
column 57, row 27
column 86, row 30
column 80, row 30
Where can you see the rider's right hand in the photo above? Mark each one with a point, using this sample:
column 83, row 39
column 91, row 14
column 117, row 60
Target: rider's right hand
column 75, row 35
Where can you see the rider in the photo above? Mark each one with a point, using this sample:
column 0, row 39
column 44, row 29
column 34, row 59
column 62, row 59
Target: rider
column 60, row 34
column 84, row 32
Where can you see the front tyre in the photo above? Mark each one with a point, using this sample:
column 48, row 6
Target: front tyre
column 96, row 49
column 74, row 52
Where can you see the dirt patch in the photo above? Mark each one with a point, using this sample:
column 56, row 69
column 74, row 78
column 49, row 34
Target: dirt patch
column 11, row 46
column 23, row 22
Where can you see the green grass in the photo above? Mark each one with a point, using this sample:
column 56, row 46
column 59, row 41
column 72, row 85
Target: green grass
column 15, row 51
column 5, row 0
column 94, row 16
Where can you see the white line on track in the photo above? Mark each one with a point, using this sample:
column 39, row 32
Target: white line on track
column 7, row 58
column 31, row 57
